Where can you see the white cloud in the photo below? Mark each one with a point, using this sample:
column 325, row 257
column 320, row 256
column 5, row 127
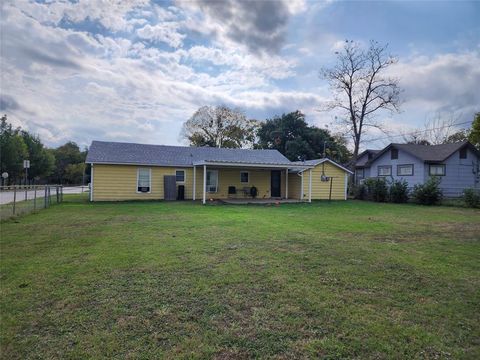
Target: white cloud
column 165, row 32
column 74, row 82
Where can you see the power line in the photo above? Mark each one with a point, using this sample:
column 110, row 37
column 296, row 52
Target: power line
column 416, row 132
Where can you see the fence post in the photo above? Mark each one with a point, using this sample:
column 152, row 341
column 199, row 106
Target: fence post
column 45, row 198
column 61, row 193
column 34, row 198
column 14, row 198
column 56, row 193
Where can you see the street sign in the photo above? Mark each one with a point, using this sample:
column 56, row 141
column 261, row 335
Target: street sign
column 26, row 164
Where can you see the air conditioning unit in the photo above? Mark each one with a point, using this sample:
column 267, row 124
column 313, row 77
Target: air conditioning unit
column 211, row 189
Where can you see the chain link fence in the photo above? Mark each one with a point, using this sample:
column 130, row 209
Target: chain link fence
column 23, row 199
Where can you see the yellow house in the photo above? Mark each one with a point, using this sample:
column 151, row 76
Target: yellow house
column 127, row 171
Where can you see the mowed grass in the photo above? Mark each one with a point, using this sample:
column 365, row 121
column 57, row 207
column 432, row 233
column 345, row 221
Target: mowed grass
column 179, row 280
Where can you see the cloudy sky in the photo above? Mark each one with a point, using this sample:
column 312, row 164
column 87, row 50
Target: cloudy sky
column 136, row 70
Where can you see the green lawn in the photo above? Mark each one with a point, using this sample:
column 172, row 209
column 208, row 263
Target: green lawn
column 175, row 280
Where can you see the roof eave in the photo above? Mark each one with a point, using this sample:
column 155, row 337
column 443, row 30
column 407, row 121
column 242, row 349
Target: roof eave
column 247, row 164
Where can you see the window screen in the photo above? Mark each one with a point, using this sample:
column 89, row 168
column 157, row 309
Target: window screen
column 143, row 180
column 180, row 175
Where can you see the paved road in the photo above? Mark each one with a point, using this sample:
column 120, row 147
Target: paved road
column 7, row 196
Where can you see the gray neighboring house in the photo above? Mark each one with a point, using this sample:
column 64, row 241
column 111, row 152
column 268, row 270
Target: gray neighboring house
column 458, row 165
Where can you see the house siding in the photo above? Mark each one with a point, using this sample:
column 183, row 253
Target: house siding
column 404, row 158
column 321, row 189
column 459, row 174
column 119, row 182
column 294, row 186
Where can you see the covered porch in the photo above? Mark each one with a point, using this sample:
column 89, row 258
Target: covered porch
column 236, row 182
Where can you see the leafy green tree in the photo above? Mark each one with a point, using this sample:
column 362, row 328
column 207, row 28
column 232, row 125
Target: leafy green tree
column 42, row 161
column 12, row 151
column 293, row 137
column 65, row 155
column 474, row 136
column 74, row 173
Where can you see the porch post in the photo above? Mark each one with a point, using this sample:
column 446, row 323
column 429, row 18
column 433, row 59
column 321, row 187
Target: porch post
column 301, row 186
column 286, row 183
column 204, row 182
column 310, row 185
column 194, row 181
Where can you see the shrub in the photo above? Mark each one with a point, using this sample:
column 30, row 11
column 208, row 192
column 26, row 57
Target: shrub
column 377, row 189
column 471, row 198
column 428, row 193
column 398, row 191
column 359, row 192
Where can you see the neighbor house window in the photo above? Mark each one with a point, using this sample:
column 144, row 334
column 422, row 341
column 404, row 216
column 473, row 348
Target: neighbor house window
column 405, row 170
column 244, row 177
column 144, row 177
column 384, row 170
column 212, row 181
column 463, row 153
column 394, row 154
column 180, row 176
column 360, row 173
column 437, row 170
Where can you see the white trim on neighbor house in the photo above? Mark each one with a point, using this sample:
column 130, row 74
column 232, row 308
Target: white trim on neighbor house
column 437, row 166
column 184, row 176
column 346, row 186
column 248, row 176
column 149, row 181
column 91, row 182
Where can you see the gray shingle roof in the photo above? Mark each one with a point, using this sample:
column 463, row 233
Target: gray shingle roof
column 314, row 163
column 431, row 152
column 362, row 160
column 426, row 153
column 164, row 155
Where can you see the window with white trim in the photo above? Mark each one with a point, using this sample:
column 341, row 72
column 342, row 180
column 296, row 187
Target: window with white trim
column 244, row 177
column 144, row 177
column 212, row 181
column 384, row 170
column 360, row 173
column 405, row 170
column 180, row 176
column 437, row 170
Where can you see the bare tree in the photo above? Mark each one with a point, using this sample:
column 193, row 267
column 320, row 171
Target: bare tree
column 441, row 128
column 361, row 88
column 219, row 126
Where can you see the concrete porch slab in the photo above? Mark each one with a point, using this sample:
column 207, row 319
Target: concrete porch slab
column 258, row 201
